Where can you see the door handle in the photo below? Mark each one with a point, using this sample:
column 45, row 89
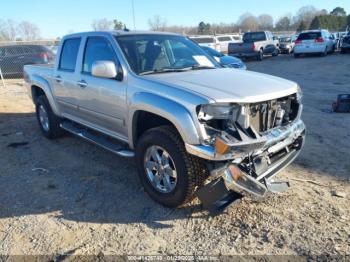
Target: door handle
column 58, row 79
column 82, row 83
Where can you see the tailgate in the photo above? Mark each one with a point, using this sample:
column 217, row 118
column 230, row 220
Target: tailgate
column 240, row 48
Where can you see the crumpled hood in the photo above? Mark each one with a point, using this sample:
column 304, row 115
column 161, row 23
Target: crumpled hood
column 229, row 85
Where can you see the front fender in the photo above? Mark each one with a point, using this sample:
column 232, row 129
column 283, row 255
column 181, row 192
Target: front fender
column 177, row 114
column 36, row 80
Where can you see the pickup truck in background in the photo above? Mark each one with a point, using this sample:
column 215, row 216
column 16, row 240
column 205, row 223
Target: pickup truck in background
column 256, row 45
column 193, row 126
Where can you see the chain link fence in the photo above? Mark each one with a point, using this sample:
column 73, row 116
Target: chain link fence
column 16, row 54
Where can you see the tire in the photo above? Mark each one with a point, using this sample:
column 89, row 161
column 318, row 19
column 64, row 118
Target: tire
column 276, row 52
column 190, row 170
column 260, row 55
column 342, row 51
column 325, row 53
column 296, row 55
column 50, row 126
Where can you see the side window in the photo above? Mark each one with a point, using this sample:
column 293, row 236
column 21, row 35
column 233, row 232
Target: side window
column 97, row 48
column 69, row 54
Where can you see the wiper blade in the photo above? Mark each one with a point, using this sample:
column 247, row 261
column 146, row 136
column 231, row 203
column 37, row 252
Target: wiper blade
column 198, row 67
column 160, row 71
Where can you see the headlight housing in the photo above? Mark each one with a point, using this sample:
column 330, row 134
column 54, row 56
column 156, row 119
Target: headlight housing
column 217, row 111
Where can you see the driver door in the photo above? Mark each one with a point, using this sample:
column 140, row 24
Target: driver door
column 102, row 101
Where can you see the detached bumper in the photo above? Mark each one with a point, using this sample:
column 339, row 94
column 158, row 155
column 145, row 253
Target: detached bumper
column 254, row 174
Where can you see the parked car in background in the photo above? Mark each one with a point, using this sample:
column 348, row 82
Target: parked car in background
column 225, row 60
column 207, row 40
column 224, row 40
column 287, row 44
column 14, row 57
column 314, row 42
column 255, row 44
column 345, row 44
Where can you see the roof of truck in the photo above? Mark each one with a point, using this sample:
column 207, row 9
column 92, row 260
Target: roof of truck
column 120, row 32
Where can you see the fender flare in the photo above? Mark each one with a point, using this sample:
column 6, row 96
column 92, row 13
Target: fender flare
column 174, row 112
column 44, row 85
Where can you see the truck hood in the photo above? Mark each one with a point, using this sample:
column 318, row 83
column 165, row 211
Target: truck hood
column 229, row 85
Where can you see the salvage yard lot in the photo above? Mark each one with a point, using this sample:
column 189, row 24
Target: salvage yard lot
column 70, row 197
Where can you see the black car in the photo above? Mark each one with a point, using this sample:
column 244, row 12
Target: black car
column 345, row 44
column 14, row 57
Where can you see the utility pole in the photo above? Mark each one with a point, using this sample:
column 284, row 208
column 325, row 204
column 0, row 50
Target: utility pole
column 133, row 13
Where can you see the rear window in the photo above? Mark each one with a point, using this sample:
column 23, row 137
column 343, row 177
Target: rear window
column 309, row 36
column 224, row 38
column 203, row 40
column 253, row 37
column 69, row 54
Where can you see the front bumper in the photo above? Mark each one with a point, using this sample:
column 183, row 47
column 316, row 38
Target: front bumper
column 273, row 140
column 254, row 173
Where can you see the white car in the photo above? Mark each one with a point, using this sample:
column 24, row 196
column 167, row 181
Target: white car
column 207, row 40
column 314, row 42
column 219, row 42
column 224, row 40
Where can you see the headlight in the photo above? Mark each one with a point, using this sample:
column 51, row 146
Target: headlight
column 299, row 94
column 217, row 111
column 288, row 46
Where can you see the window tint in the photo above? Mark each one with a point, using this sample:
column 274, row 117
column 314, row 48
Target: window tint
column 2, row 51
column 97, row 48
column 204, row 40
column 10, row 51
column 224, row 38
column 251, row 37
column 309, row 36
column 69, row 54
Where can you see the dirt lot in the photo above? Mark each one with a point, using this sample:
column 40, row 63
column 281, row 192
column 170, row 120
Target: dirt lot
column 70, row 197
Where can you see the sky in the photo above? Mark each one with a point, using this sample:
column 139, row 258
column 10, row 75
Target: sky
column 56, row 18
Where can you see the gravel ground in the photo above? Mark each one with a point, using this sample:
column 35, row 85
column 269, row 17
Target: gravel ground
column 70, row 197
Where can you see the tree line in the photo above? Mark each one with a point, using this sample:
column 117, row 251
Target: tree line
column 11, row 30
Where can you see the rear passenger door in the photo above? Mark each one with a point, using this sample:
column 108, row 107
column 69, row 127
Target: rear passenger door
column 65, row 78
column 269, row 44
column 102, row 101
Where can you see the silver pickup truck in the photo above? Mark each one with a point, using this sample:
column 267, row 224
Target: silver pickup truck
column 192, row 126
column 256, row 45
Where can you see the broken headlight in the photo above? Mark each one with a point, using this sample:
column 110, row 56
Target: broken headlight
column 217, row 111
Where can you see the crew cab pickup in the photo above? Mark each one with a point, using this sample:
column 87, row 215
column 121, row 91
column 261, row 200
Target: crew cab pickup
column 191, row 125
column 255, row 44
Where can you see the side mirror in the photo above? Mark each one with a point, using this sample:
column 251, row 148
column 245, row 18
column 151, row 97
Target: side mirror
column 105, row 69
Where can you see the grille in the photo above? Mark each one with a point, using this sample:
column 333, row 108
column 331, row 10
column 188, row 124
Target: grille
column 266, row 115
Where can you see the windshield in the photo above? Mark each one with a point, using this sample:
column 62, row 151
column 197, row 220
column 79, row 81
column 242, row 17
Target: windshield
column 286, row 40
column 163, row 53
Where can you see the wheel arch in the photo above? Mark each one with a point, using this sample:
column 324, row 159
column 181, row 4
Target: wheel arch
column 150, row 110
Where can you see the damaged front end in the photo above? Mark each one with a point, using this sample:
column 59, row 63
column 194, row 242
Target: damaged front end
column 245, row 145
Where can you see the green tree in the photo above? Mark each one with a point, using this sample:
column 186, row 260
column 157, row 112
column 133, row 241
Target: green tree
column 118, row 25
column 338, row 11
column 203, row 28
column 330, row 22
column 302, row 26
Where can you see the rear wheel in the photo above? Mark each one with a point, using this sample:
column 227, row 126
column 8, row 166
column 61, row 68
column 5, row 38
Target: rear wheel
column 167, row 172
column 343, row 51
column 260, row 55
column 325, row 52
column 296, row 55
column 49, row 123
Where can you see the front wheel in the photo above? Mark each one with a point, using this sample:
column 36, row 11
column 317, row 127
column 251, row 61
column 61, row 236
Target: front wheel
column 276, row 52
column 167, row 172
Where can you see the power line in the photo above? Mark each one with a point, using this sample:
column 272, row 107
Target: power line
column 133, row 13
